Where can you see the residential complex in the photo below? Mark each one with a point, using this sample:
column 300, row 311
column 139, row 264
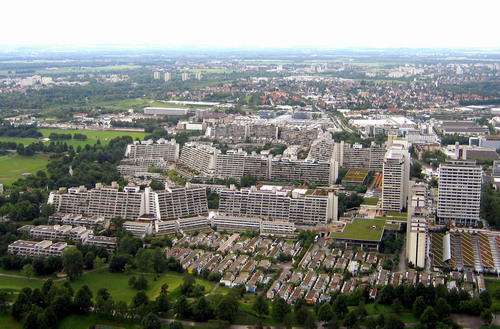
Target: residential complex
column 131, row 202
column 292, row 206
column 417, row 228
column 161, row 149
column 459, row 192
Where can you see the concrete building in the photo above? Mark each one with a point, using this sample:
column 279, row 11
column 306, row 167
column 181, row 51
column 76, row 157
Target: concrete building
column 139, row 229
column 156, row 75
column 165, row 111
column 161, row 149
column 417, row 234
column 185, row 76
column 199, row 157
column 242, row 224
column 34, row 248
column 130, row 202
column 459, row 192
column 322, row 148
column 197, row 75
column 167, row 76
column 395, row 179
column 102, row 241
column 57, row 232
column 277, row 205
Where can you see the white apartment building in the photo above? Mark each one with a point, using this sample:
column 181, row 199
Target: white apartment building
column 277, row 205
column 161, row 149
column 102, row 241
column 459, row 192
column 58, row 232
column 242, row 224
column 167, row 76
column 199, row 157
column 417, row 234
column 130, row 202
column 395, row 179
column 139, row 229
column 34, row 248
column 79, row 220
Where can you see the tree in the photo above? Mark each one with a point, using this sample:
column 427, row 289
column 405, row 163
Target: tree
column 419, row 306
column 118, row 262
column 487, row 317
column 287, row 321
column 83, row 299
column 280, row 308
column 340, row 306
column 227, row 308
column 310, row 322
column 73, row 262
column 141, row 283
column 28, row 270
column 443, row 309
column 325, row 312
column 162, row 304
column 485, row 298
column 202, row 311
column 89, row 260
column 302, row 313
column 371, row 322
column 31, row 321
column 350, row 320
column 182, row 307
column 98, row 262
column 397, row 306
column 392, row 321
column 140, row 299
column 260, row 305
column 429, row 319
column 151, row 321
column 4, row 300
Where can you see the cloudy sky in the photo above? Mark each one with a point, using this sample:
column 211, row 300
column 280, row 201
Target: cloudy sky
column 263, row 23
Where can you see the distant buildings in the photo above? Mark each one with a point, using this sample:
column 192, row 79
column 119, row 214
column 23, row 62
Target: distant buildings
column 185, row 76
column 165, row 111
column 156, row 75
column 167, row 76
column 459, row 192
column 199, row 157
column 463, row 128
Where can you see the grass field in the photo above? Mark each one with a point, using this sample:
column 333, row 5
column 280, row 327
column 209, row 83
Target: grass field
column 370, row 201
column 360, row 229
column 116, row 283
column 13, row 166
column 93, row 135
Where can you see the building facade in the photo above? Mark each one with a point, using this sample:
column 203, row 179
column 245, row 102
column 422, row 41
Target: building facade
column 459, row 192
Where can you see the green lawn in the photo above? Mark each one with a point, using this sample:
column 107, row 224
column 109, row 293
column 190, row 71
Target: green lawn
column 370, row 201
column 93, row 135
column 116, row 283
column 360, row 229
column 8, row 322
column 13, row 166
column 24, row 141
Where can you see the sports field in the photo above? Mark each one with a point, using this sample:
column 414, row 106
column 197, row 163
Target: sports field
column 362, row 229
column 13, row 166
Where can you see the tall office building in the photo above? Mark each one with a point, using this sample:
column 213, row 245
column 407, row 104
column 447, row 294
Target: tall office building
column 459, row 192
column 167, row 76
column 395, row 179
column 417, row 226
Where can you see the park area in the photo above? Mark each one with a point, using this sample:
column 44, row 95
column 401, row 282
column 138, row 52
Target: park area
column 362, row 229
column 13, row 166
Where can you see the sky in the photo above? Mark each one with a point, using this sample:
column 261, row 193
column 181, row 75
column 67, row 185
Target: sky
column 254, row 23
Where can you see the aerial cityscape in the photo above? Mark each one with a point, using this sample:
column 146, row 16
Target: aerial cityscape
column 244, row 177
